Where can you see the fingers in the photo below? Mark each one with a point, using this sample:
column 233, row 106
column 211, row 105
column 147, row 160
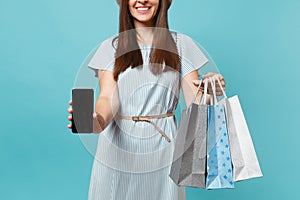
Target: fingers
column 216, row 85
column 70, row 110
column 217, row 93
column 210, row 74
column 70, row 117
column 218, row 89
column 221, row 78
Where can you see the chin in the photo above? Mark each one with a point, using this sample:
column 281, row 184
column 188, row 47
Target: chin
column 145, row 20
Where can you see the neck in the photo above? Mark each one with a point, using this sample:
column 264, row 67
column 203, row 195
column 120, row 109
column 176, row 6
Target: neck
column 138, row 24
column 144, row 32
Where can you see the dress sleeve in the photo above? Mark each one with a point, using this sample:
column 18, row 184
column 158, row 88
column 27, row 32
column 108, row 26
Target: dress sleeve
column 191, row 56
column 104, row 57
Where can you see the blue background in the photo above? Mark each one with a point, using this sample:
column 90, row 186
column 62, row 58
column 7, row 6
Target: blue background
column 256, row 45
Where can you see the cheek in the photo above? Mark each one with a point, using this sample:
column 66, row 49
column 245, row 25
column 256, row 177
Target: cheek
column 132, row 12
column 156, row 10
column 131, row 3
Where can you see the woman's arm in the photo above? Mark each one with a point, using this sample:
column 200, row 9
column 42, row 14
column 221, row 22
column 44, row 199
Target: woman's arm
column 189, row 89
column 107, row 103
column 190, row 82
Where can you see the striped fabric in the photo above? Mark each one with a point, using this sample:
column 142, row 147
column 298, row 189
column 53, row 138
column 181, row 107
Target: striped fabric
column 133, row 160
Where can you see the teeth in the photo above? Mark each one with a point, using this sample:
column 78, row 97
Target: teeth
column 142, row 8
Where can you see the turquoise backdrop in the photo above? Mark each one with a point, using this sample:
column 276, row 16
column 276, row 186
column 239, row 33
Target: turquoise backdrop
column 256, row 45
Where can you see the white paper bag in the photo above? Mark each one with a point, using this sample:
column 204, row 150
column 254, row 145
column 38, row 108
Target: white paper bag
column 243, row 155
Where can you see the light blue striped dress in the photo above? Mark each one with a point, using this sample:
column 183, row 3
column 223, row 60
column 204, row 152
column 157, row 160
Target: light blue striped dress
column 133, row 160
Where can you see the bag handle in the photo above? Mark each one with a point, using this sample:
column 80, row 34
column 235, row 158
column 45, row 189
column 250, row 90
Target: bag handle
column 204, row 95
column 197, row 92
column 213, row 98
column 219, row 82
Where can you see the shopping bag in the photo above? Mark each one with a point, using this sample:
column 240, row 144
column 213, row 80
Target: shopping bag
column 219, row 166
column 244, row 159
column 189, row 158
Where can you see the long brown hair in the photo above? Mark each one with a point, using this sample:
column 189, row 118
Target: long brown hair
column 164, row 48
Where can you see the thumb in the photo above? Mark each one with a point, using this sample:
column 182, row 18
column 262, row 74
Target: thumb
column 196, row 82
column 95, row 115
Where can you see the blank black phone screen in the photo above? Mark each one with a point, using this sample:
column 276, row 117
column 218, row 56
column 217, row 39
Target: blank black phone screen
column 83, row 108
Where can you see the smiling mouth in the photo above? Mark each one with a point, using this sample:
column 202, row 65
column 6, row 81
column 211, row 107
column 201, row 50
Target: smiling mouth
column 143, row 8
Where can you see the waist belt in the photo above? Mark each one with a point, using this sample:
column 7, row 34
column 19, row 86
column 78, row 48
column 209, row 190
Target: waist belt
column 147, row 119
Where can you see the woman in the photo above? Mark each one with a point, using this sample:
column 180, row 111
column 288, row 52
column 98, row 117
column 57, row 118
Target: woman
column 140, row 74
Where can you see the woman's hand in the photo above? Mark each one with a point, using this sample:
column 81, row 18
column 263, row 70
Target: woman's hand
column 70, row 110
column 209, row 90
column 97, row 119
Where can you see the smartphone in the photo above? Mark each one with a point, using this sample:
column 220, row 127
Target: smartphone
column 83, row 109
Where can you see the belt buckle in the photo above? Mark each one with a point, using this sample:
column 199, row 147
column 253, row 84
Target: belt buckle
column 135, row 118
